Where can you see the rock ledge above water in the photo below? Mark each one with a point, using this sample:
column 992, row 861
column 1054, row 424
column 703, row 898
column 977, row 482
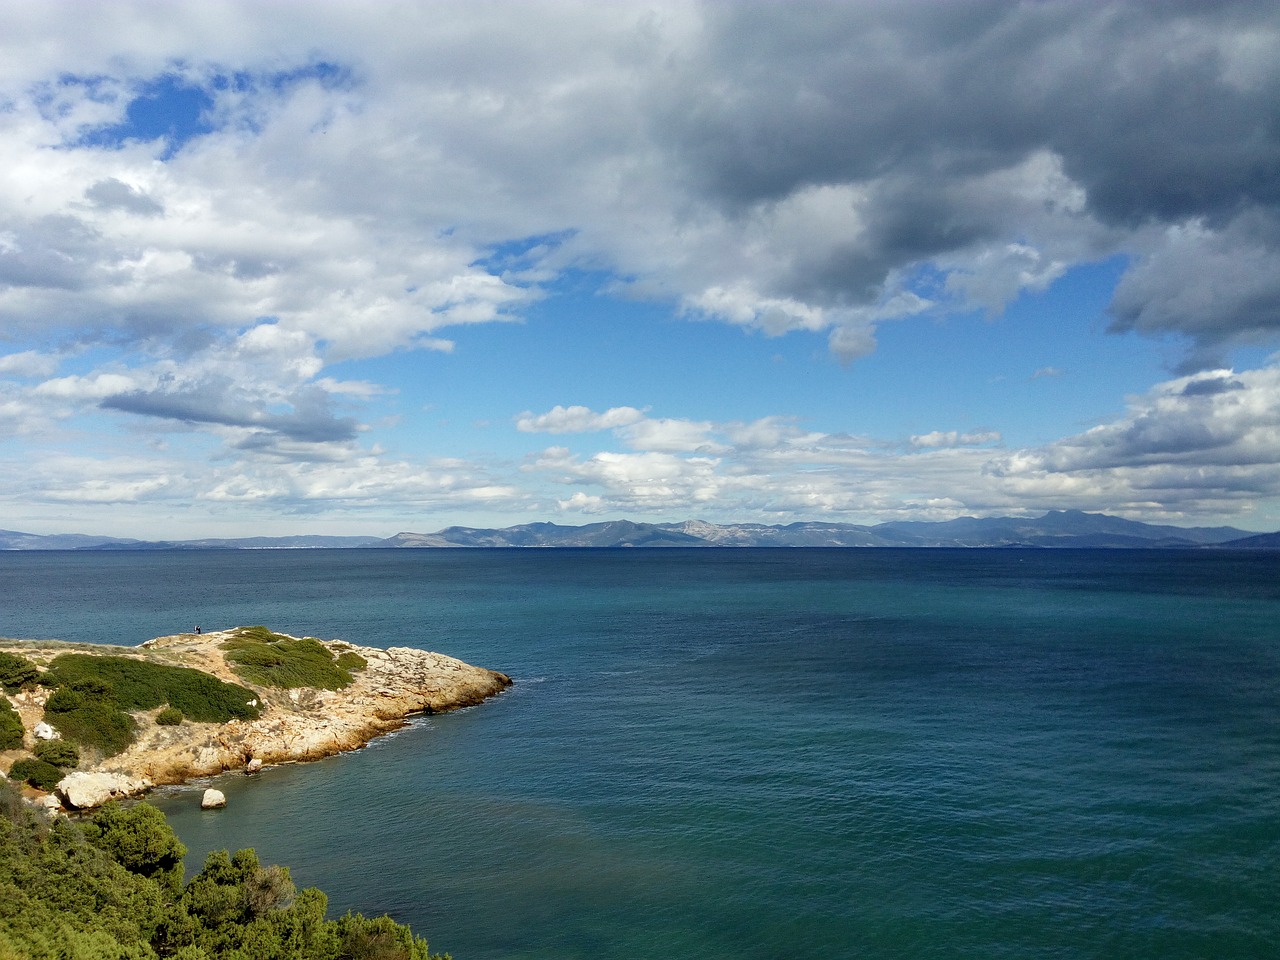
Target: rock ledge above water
column 295, row 725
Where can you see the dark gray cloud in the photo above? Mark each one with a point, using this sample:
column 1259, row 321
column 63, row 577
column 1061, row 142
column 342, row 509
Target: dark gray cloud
column 780, row 99
column 217, row 401
column 113, row 194
column 245, row 267
column 1140, row 100
column 1218, row 287
column 1163, row 114
column 1211, row 386
column 275, row 446
column 54, row 252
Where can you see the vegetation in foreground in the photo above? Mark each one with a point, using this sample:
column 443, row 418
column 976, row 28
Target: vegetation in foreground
column 258, row 655
column 112, row 888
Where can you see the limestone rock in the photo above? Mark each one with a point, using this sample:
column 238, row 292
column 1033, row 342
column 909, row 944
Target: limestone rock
column 253, row 766
column 83, row 791
column 45, row 732
column 213, row 799
column 295, row 725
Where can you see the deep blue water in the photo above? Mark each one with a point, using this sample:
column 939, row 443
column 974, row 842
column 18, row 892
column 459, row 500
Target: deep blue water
column 763, row 753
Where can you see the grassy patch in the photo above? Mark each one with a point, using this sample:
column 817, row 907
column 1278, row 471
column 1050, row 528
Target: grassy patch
column 271, row 660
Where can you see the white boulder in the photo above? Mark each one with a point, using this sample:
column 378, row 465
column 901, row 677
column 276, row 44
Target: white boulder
column 83, row 791
column 45, row 732
column 213, row 799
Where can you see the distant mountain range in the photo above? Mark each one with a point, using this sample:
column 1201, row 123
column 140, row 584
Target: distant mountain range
column 1057, row 528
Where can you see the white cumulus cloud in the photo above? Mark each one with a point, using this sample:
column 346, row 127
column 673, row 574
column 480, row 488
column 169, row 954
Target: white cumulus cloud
column 577, row 419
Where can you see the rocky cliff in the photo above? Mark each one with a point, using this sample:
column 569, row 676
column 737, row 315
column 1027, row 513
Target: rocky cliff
column 295, row 724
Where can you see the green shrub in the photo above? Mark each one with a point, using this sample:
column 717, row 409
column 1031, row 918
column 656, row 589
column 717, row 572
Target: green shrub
column 60, row 753
column 169, row 717
column 63, row 898
column 17, row 672
column 351, row 661
column 111, row 889
column 379, row 937
column 38, row 773
column 142, row 685
column 10, row 726
column 139, row 839
column 272, row 660
column 90, row 718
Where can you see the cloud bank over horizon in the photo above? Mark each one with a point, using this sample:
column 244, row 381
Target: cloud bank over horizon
column 265, row 267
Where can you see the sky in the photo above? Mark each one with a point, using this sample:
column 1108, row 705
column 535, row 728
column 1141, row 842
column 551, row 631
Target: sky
column 321, row 267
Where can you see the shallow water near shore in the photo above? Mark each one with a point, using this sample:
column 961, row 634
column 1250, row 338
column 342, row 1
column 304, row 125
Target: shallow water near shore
column 762, row 753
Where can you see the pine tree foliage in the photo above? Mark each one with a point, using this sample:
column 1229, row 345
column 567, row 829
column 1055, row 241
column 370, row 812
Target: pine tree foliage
column 112, row 889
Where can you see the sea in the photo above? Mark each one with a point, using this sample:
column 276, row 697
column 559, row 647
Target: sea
column 757, row 754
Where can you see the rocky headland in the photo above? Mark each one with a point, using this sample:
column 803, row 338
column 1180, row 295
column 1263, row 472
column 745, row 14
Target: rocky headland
column 295, row 723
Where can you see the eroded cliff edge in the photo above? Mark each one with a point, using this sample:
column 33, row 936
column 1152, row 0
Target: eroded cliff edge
column 295, row 724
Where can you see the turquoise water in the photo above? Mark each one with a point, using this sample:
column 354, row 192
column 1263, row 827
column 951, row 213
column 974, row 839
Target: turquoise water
column 756, row 753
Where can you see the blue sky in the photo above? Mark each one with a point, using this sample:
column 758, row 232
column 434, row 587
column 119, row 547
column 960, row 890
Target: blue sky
column 268, row 268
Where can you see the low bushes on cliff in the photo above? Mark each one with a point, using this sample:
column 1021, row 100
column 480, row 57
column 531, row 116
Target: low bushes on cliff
column 16, row 672
column 269, row 659
column 143, row 685
column 350, row 660
column 52, row 760
column 84, row 713
column 38, row 773
column 61, row 753
column 95, row 694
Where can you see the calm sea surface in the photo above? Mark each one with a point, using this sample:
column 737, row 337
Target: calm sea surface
column 762, row 753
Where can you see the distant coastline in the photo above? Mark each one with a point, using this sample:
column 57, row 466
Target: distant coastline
column 1055, row 529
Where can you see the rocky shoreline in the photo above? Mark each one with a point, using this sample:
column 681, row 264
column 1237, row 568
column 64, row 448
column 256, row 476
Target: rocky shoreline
column 297, row 724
